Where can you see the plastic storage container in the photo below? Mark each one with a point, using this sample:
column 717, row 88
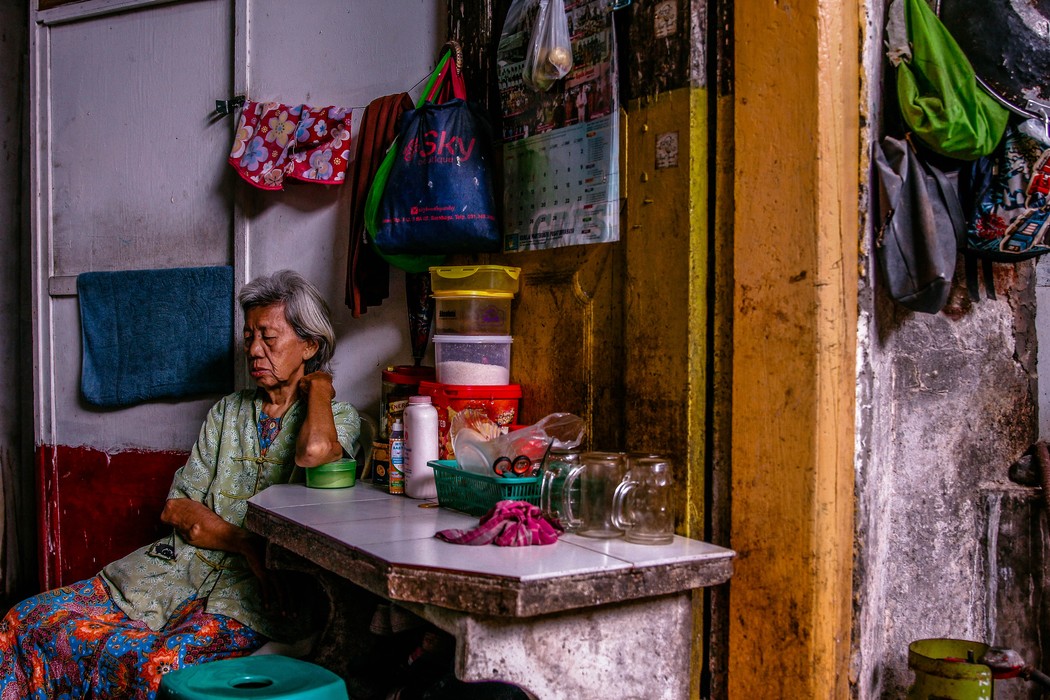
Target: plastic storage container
column 474, row 278
column 476, row 494
column 472, row 360
column 480, row 313
column 942, row 670
column 500, row 403
column 339, row 474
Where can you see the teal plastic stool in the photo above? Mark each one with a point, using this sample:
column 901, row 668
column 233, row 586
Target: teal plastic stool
column 267, row 676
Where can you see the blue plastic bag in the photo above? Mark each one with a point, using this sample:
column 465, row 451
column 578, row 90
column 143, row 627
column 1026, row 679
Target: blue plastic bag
column 438, row 197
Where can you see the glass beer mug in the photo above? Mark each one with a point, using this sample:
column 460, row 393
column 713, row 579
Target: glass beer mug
column 553, row 495
column 595, row 480
column 642, row 505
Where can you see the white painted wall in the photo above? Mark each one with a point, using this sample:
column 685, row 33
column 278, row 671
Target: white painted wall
column 130, row 172
column 347, row 57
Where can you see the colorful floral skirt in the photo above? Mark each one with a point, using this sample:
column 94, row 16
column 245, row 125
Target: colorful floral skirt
column 73, row 642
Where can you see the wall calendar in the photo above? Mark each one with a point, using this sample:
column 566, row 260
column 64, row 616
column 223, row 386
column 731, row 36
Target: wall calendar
column 561, row 146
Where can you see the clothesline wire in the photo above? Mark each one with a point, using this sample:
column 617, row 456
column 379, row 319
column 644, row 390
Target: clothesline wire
column 418, row 83
column 351, row 109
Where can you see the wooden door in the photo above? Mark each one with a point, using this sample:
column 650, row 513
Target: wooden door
column 122, row 111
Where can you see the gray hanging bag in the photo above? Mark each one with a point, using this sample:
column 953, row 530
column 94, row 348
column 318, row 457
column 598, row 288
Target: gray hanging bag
column 922, row 226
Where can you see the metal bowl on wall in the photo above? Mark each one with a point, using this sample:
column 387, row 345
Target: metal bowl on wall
column 1007, row 41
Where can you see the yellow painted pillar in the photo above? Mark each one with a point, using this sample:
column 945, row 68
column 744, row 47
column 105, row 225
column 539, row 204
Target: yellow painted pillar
column 665, row 295
column 795, row 228
column 665, row 298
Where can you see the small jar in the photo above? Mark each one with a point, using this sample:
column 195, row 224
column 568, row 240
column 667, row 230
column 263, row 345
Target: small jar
column 399, row 383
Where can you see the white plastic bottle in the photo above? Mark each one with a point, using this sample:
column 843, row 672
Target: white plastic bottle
column 421, row 446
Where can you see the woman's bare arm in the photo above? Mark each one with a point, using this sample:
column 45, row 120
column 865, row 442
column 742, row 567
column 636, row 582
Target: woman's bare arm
column 318, row 442
column 201, row 527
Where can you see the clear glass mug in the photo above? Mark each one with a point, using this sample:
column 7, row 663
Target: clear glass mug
column 642, row 502
column 595, row 480
column 554, row 497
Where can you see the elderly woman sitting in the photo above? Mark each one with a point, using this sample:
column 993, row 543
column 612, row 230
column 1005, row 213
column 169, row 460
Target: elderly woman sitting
column 201, row 594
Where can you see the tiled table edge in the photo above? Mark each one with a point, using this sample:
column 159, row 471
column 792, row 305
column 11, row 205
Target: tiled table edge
column 482, row 593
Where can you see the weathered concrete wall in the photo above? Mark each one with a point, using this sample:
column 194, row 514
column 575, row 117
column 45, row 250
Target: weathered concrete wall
column 947, row 545
column 15, row 493
column 1042, row 301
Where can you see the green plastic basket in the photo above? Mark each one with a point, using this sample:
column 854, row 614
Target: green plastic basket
column 476, row 494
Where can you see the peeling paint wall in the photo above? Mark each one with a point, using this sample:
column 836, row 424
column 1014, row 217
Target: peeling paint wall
column 1042, row 300
column 947, row 545
column 943, row 534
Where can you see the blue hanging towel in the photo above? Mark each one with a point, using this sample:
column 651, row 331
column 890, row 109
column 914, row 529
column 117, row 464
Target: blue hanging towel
column 155, row 334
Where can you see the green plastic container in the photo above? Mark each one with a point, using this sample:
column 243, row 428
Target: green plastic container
column 268, row 676
column 339, row 474
column 476, row 494
column 943, row 672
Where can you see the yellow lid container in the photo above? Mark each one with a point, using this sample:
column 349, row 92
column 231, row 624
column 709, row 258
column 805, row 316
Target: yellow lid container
column 468, row 279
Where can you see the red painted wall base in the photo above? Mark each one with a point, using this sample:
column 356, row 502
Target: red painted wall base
column 95, row 507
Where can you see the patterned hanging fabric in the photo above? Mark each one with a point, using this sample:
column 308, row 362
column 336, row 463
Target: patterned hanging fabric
column 276, row 142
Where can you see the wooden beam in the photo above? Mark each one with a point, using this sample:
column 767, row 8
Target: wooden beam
column 797, row 84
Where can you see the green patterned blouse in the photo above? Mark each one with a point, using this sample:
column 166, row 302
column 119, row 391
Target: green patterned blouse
column 223, row 471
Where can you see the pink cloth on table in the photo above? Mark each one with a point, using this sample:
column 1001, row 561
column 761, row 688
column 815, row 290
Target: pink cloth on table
column 508, row 524
column 275, row 142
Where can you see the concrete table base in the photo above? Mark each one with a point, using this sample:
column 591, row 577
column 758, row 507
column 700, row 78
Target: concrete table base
column 640, row 648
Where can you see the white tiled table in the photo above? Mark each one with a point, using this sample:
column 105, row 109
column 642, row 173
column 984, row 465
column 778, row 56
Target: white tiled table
column 562, row 620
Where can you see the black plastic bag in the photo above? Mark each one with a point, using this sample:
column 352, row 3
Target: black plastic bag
column 922, row 226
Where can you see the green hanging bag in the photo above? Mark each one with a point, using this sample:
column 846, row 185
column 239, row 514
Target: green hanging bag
column 937, row 89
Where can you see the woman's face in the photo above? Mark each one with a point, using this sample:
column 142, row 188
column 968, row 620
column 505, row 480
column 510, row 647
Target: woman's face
column 276, row 354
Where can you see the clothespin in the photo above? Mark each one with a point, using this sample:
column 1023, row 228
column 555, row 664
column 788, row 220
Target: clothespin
column 224, row 107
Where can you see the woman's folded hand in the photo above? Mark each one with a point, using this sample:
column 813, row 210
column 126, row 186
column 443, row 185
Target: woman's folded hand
column 317, row 384
column 201, row 527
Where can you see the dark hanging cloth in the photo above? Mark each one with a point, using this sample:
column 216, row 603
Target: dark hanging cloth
column 367, row 274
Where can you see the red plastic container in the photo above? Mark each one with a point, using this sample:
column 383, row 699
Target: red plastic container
column 501, row 402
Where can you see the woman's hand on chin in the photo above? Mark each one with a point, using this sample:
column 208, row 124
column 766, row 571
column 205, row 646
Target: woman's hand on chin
column 317, row 384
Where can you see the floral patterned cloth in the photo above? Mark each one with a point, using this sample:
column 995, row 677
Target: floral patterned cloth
column 73, row 642
column 275, row 142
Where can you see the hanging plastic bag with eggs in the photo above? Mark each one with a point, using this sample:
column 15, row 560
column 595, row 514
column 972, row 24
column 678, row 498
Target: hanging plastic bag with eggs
column 549, row 56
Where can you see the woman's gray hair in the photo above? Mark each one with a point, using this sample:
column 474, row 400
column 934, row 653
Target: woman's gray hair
column 304, row 309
